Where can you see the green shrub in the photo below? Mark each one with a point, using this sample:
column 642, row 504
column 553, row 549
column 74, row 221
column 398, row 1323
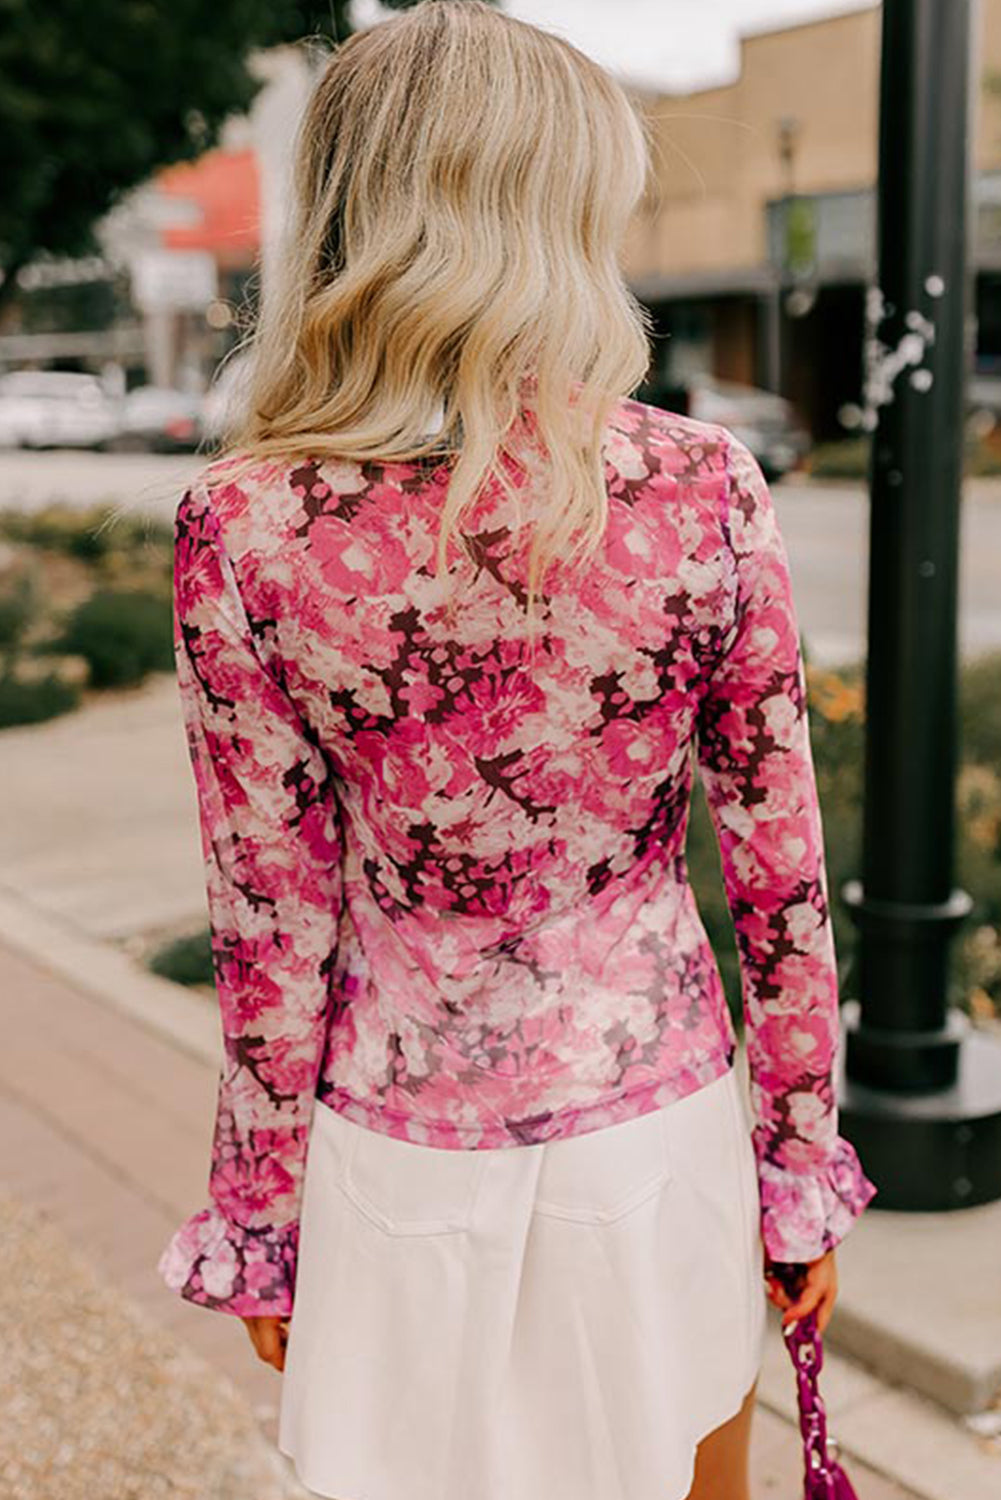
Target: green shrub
column 983, row 458
column 980, row 710
column 848, row 459
column 186, row 960
column 88, row 533
column 18, row 607
column 33, row 702
column 123, row 633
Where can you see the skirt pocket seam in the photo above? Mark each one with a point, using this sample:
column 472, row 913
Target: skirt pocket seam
column 660, row 1178
column 458, row 1223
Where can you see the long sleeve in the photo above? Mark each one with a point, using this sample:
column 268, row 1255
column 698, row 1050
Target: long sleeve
column 756, row 766
column 270, row 832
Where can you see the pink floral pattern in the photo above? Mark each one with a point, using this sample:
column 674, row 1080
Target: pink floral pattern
column 446, row 882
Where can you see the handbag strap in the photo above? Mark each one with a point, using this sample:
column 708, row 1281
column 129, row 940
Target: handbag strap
column 825, row 1479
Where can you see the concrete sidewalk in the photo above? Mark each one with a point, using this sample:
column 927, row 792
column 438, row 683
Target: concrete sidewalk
column 100, row 826
column 106, row 1118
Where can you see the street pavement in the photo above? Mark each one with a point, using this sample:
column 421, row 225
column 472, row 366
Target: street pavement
column 825, row 526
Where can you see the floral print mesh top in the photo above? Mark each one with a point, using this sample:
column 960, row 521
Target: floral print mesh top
column 447, row 883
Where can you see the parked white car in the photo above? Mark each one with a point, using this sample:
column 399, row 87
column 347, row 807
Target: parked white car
column 159, row 419
column 56, row 409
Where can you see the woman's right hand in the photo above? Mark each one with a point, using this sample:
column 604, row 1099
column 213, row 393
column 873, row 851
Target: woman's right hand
column 819, row 1291
column 269, row 1337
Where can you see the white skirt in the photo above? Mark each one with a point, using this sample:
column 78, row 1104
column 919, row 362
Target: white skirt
column 564, row 1321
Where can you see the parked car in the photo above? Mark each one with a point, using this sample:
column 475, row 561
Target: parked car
column 56, row 409
column 159, row 419
column 767, row 423
column 983, row 403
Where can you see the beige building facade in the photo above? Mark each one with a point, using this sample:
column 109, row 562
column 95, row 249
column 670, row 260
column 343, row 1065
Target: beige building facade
column 757, row 237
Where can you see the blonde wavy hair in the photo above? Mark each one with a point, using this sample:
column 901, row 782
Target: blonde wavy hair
column 462, row 182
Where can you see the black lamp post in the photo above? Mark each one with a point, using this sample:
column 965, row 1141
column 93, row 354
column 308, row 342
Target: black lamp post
column 921, row 1091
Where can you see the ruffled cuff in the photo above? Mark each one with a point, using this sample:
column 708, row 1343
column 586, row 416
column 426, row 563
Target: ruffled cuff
column 247, row 1272
column 805, row 1214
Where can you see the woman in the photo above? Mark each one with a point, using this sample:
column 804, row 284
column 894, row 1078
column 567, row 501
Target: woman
column 457, row 621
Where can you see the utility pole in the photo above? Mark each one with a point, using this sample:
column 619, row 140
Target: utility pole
column 921, row 1093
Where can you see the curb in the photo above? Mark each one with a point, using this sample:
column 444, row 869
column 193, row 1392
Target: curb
column 110, row 976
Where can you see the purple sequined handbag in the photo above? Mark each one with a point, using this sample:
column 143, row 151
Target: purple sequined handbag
column 824, row 1478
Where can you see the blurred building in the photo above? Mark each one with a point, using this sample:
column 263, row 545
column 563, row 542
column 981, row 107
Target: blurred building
column 182, row 256
column 753, row 248
column 199, row 237
column 757, row 240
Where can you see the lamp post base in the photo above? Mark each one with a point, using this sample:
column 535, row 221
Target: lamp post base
column 932, row 1151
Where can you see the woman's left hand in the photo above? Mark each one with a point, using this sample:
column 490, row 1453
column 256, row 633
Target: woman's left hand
column 269, row 1337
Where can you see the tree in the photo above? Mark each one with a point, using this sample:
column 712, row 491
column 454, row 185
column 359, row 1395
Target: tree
column 95, row 95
